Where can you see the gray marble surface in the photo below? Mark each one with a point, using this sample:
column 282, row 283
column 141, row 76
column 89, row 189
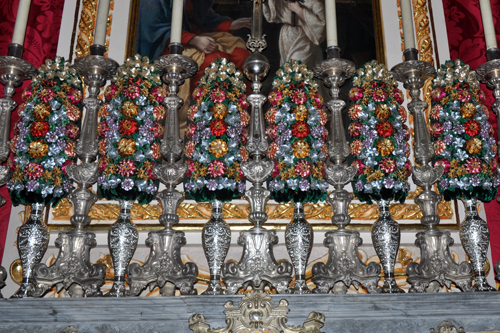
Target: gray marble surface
column 476, row 312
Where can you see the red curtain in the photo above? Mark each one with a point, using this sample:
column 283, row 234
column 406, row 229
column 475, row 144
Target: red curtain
column 466, row 41
column 42, row 35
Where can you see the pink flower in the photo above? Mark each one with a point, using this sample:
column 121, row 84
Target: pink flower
column 271, row 115
column 464, row 96
column 355, row 94
column 132, row 91
column 33, row 170
column 436, row 109
column 387, row 165
column 379, row 95
column 126, row 167
column 437, row 94
column 398, row 95
column 473, row 165
column 303, row 168
column 439, row 147
column 193, row 109
column 218, row 95
column 444, row 163
column 271, row 151
column 216, row 168
column 189, row 149
column 299, row 96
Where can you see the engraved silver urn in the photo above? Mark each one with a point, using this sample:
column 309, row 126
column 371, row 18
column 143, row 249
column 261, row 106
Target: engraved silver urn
column 299, row 239
column 32, row 242
column 216, row 237
column 386, row 236
column 122, row 241
column 475, row 238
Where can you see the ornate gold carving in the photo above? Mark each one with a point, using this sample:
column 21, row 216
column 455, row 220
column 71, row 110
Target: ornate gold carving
column 240, row 211
column 423, row 31
column 86, row 25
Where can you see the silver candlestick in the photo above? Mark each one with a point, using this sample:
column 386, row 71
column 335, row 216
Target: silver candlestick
column 32, row 242
column 72, row 268
column 216, row 238
column 13, row 71
column 436, row 267
column 164, row 265
column 299, row 241
column 122, row 242
column 257, row 266
column 343, row 267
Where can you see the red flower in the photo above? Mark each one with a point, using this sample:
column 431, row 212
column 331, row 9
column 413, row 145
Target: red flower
column 46, row 95
column 274, row 97
column 472, row 127
column 384, row 129
column 72, row 131
column 354, row 129
column 132, row 91
column 379, row 95
column 276, row 170
column 444, row 163
column 102, row 128
column 299, row 96
column 128, row 126
column 190, row 130
column 356, row 93
column 218, row 127
column 437, row 94
column 398, row 96
column 300, row 129
column 75, row 96
column 39, row 128
column 436, row 129
column 272, row 132
column 157, row 130
column 359, row 165
column 110, row 90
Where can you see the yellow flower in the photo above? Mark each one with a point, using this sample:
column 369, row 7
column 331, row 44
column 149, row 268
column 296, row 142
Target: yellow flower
column 129, row 109
column 219, row 110
column 300, row 112
column 126, row 147
column 375, row 176
column 18, row 174
column 368, row 171
column 382, row 112
column 473, row 146
column 41, row 111
column 300, row 149
column 445, row 101
column 385, row 147
column 47, row 176
column 110, row 170
column 467, row 110
column 218, row 148
column 38, row 149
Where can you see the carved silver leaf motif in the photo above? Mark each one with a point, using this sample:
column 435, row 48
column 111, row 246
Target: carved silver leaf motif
column 447, row 327
column 256, row 44
column 216, row 236
column 299, row 241
column 475, row 238
column 170, row 174
column 256, row 312
column 13, row 71
column 32, row 242
column 84, row 174
column 122, row 241
column 95, row 70
column 386, row 236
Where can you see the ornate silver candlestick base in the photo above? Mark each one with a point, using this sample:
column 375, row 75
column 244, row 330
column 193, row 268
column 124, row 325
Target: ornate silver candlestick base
column 32, row 242
column 299, row 241
column 386, row 236
column 436, row 268
column 72, row 268
column 257, row 266
column 122, row 242
column 164, row 263
column 216, row 238
column 475, row 238
column 3, row 276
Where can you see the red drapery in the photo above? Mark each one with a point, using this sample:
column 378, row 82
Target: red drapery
column 466, row 41
column 42, row 36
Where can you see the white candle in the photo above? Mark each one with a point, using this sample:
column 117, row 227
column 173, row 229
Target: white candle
column 21, row 22
column 488, row 26
column 331, row 23
column 176, row 31
column 408, row 31
column 101, row 25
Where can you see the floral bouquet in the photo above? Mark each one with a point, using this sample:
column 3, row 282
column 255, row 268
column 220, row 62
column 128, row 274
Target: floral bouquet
column 216, row 135
column 380, row 137
column 130, row 131
column 463, row 139
column 45, row 136
column 296, row 128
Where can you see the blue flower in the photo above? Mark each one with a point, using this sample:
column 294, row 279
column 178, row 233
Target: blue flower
column 46, row 189
column 461, row 154
column 49, row 163
column 141, row 100
column 292, row 183
column 151, row 189
column 288, row 159
column 54, row 105
column 114, row 181
column 459, row 142
column 58, row 191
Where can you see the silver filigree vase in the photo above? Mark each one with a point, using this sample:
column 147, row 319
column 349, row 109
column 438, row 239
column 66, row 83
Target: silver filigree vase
column 216, row 237
column 32, row 242
column 475, row 238
column 299, row 241
column 386, row 237
column 122, row 241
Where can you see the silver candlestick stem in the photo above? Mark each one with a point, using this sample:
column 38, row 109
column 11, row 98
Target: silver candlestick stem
column 72, row 268
column 164, row 265
column 257, row 266
column 13, row 71
column 343, row 267
column 216, row 238
column 437, row 267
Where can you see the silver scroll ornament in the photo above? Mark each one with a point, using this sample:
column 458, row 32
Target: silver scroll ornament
column 299, row 241
column 475, row 238
column 216, row 237
column 122, row 241
column 32, row 242
column 386, row 236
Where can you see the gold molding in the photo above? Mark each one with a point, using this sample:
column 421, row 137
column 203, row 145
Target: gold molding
column 133, row 26
column 378, row 26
